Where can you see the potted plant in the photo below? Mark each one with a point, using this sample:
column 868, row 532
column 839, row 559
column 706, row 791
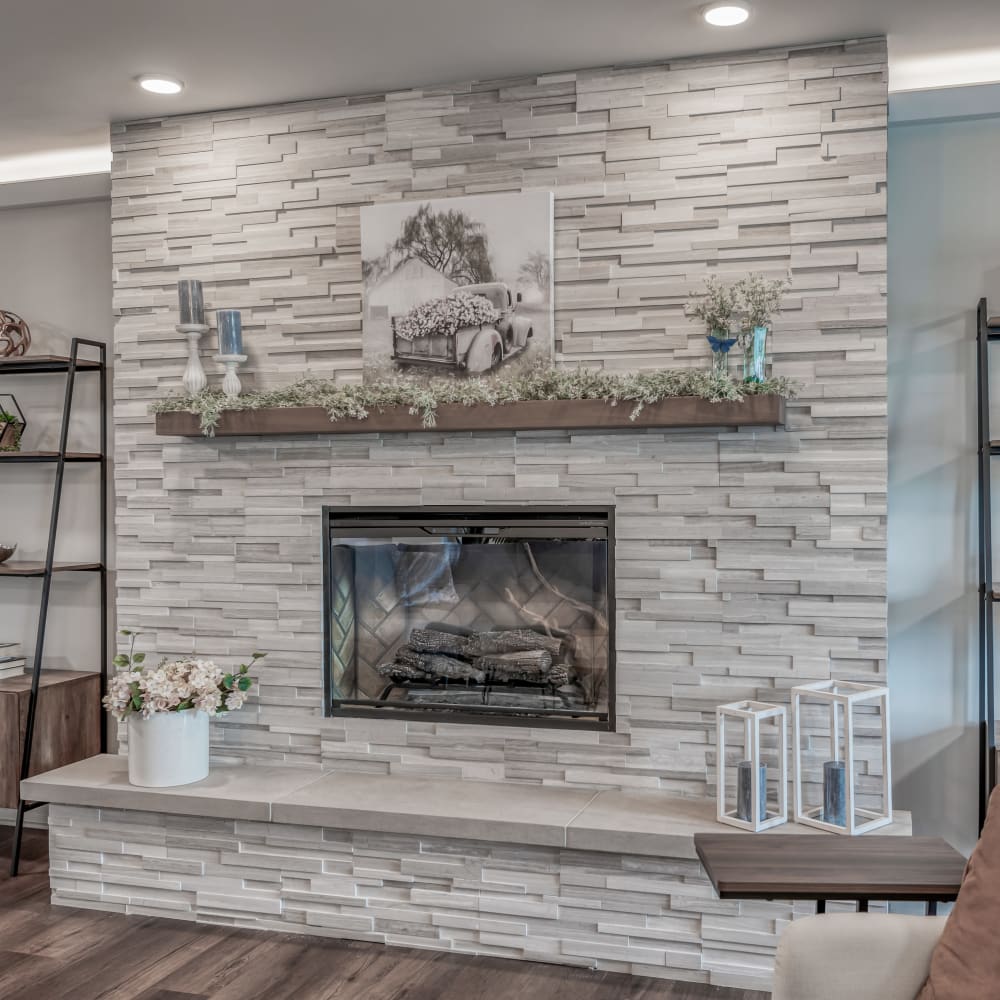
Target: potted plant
column 168, row 709
column 12, row 424
column 758, row 299
column 715, row 309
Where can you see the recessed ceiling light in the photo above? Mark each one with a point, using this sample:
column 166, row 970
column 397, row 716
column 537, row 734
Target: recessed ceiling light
column 157, row 84
column 726, row 15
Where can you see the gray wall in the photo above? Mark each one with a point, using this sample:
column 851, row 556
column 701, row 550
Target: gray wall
column 944, row 253
column 55, row 271
column 748, row 562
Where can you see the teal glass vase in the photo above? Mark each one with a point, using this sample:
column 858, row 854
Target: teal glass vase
column 755, row 355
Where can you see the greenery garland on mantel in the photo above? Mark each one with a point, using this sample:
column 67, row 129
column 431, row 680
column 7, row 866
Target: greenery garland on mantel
column 423, row 396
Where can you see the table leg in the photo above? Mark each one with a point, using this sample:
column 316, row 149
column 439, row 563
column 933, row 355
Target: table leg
column 932, row 907
column 862, row 906
column 821, row 906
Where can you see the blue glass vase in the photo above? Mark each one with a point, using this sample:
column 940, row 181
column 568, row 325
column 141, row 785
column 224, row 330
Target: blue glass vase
column 721, row 343
column 755, row 355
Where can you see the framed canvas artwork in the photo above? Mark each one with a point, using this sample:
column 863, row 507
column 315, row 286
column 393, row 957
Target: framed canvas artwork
column 457, row 286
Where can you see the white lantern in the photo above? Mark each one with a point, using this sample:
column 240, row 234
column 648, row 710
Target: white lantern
column 752, row 808
column 849, row 707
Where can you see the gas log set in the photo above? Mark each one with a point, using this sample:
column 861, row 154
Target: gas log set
column 469, row 614
column 441, row 653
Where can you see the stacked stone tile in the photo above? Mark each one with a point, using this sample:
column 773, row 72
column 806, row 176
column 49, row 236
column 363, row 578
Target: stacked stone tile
column 623, row 913
column 747, row 561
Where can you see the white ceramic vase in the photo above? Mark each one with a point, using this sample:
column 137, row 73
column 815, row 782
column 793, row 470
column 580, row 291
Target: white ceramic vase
column 168, row 748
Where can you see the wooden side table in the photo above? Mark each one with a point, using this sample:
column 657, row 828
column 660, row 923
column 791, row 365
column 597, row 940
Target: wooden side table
column 67, row 729
column 788, row 866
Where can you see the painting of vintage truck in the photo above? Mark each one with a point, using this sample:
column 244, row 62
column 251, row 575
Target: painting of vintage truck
column 457, row 286
column 480, row 341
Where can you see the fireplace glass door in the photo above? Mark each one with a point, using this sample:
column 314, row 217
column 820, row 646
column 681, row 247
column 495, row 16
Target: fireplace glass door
column 474, row 614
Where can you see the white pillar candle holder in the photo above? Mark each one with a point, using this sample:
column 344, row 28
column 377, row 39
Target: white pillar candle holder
column 194, row 379
column 231, row 382
column 841, row 699
column 753, row 807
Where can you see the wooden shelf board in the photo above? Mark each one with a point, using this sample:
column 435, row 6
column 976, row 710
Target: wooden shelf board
column 20, row 567
column 40, row 363
column 49, row 456
column 47, row 678
column 531, row 415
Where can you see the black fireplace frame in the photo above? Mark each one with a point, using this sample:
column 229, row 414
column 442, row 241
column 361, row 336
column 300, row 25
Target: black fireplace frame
column 533, row 516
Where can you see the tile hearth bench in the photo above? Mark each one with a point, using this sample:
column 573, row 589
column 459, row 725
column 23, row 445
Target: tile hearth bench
column 605, row 879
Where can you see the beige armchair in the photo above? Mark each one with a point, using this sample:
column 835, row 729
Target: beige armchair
column 855, row 956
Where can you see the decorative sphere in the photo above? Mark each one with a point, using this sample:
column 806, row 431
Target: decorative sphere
column 15, row 337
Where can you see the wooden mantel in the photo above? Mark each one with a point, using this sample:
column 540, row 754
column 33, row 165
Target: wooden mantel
column 530, row 415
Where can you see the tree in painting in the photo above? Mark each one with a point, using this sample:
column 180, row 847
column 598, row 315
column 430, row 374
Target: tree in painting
column 448, row 241
column 537, row 271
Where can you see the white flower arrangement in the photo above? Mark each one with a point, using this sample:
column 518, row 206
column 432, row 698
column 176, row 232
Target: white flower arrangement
column 446, row 316
column 714, row 307
column 758, row 299
column 174, row 686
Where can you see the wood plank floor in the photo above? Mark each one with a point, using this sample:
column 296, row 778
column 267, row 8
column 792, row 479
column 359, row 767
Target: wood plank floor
column 55, row 953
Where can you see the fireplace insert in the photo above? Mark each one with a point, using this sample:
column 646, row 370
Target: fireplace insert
column 481, row 614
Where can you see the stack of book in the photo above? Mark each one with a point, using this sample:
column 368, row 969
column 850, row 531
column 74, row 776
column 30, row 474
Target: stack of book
column 12, row 661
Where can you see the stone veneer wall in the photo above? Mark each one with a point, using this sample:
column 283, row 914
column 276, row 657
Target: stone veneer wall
column 747, row 561
column 622, row 913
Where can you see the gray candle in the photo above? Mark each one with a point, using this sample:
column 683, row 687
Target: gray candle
column 835, row 793
column 230, row 331
column 744, row 790
column 192, row 303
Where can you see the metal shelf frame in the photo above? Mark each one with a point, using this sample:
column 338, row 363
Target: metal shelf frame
column 71, row 366
column 986, row 333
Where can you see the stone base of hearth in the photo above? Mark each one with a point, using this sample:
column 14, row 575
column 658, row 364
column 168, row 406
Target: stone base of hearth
column 601, row 879
column 634, row 914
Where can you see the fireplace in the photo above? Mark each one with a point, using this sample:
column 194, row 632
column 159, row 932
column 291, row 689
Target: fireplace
column 470, row 614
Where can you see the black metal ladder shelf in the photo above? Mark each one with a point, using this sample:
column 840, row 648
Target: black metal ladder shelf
column 987, row 331
column 71, row 366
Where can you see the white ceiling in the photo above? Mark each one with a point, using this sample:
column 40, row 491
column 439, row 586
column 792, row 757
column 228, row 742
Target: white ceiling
column 68, row 65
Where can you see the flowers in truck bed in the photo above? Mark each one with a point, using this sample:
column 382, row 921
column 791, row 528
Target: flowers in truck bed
column 446, row 316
